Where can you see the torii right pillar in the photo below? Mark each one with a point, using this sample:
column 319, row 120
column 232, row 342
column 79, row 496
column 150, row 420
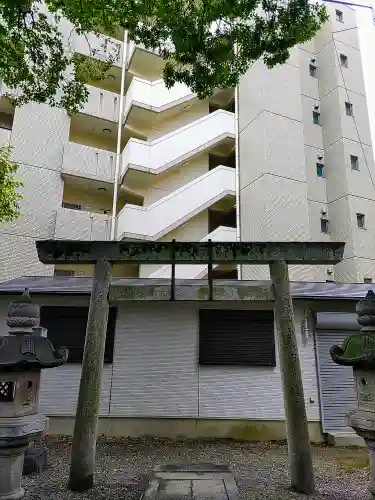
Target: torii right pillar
column 358, row 351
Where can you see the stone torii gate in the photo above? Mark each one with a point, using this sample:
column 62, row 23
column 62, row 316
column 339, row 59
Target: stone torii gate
column 103, row 254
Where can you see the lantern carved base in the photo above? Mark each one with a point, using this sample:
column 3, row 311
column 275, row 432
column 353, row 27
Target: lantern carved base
column 363, row 422
column 358, row 351
column 15, row 434
column 11, row 464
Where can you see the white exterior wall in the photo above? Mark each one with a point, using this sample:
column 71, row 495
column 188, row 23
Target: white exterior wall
column 156, row 373
column 167, row 137
column 282, row 199
column 38, row 137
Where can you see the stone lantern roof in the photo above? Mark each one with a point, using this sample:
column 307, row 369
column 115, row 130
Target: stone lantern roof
column 24, row 348
column 358, row 350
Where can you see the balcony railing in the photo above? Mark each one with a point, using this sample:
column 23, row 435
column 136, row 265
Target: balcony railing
column 102, row 104
column 81, row 225
column 101, row 47
column 178, row 146
column 154, row 95
column 85, row 161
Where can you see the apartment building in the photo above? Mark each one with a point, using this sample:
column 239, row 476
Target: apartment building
column 304, row 168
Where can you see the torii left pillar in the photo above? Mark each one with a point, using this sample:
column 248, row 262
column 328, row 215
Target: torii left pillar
column 88, row 406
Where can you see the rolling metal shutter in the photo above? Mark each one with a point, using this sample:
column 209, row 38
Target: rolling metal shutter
column 336, row 382
column 236, row 337
column 155, row 371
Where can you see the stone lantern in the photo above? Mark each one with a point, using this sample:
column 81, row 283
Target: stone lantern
column 23, row 353
column 358, row 351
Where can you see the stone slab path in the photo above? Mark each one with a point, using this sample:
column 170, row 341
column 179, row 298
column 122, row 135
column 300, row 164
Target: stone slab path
column 191, row 482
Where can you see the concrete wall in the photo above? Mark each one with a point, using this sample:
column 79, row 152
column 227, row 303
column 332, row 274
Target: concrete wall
column 38, row 137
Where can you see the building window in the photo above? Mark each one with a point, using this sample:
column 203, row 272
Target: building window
column 354, row 162
column 339, row 16
column 349, row 108
column 236, row 337
column 343, row 60
column 316, row 117
column 312, row 70
column 361, row 221
column 367, row 280
column 67, row 327
column 324, row 225
column 320, row 169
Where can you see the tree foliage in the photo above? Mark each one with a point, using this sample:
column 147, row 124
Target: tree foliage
column 9, row 196
column 206, row 44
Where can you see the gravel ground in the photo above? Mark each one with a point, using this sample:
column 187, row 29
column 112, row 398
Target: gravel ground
column 260, row 468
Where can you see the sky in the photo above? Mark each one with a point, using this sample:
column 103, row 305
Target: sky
column 367, row 43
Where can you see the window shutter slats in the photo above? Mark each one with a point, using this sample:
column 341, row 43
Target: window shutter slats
column 236, row 337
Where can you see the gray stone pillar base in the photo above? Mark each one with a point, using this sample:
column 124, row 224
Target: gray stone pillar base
column 371, row 453
column 11, row 464
column 362, row 422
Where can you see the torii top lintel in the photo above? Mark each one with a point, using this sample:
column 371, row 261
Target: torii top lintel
column 208, row 252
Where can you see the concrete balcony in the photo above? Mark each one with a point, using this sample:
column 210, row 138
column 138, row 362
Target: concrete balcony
column 143, row 62
column 102, row 104
column 159, row 218
column 81, row 225
column 173, row 149
column 154, row 96
column 222, row 233
column 92, row 163
column 4, row 136
column 101, row 47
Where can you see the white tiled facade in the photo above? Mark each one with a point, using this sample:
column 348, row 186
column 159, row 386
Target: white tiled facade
column 178, row 167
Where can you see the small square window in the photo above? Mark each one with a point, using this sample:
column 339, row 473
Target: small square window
column 324, row 225
column 339, row 16
column 344, row 60
column 354, row 162
column 316, row 118
column 312, row 69
column 349, row 108
column 361, row 221
column 320, row 169
column 367, row 280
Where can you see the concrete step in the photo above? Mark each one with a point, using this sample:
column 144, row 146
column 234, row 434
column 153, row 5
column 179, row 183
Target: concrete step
column 344, row 438
column 191, row 482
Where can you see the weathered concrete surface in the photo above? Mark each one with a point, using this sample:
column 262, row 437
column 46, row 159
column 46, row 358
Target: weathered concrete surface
column 186, row 428
column 342, row 439
column 191, row 482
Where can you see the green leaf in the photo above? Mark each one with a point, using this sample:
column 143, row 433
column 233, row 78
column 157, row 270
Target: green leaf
column 9, row 185
column 196, row 38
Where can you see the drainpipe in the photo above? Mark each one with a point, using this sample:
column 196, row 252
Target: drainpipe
column 119, row 135
column 237, row 158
